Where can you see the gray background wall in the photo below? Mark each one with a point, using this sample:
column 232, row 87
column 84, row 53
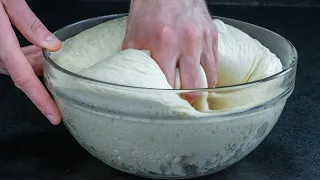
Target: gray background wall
column 296, row 3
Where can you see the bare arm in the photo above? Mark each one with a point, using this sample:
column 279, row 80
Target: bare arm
column 178, row 33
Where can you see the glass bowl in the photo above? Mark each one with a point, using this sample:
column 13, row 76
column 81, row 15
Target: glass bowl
column 140, row 137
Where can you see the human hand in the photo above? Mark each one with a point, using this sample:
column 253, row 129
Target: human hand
column 178, row 33
column 34, row 56
column 22, row 64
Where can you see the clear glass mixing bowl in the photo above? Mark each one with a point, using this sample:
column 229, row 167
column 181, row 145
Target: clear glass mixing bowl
column 146, row 139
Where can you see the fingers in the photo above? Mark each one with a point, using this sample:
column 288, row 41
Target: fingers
column 30, row 26
column 21, row 72
column 189, row 64
column 215, row 47
column 189, row 77
column 190, row 72
column 35, row 58
column 165, row 53
column 208, row 58
column 30, row 49
column 167, row 62
column 163, row 49
column 4, row 71
column 127, row 44
column 209, row 67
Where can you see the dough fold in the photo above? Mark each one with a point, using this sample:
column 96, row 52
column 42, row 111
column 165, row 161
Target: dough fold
column 96, row 53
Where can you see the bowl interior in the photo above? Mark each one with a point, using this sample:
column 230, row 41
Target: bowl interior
column 277, row 44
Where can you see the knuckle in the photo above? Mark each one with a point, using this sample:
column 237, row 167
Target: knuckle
column 206, row 29
column 21, row 81
column 192, row 32
column 166, row 35
column 215, row 35
column 208, row 57
column 191, row 62
column 34, row 26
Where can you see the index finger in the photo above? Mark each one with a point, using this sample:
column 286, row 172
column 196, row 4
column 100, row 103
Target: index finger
column 22, row 73
column 30, row 25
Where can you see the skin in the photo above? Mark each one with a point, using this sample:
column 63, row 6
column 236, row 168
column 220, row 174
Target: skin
column 179, row 33
column 22, row 63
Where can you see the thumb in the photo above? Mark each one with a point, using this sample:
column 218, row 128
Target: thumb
column 30, row 26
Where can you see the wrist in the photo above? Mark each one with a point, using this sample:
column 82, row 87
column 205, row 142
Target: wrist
column 185, row 2
column 167, row 5
column 156, row 5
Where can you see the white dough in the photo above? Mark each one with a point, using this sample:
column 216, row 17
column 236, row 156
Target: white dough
column 96, row 53
column 154, row 132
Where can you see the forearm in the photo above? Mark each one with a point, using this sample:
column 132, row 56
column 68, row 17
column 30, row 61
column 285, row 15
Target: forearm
column 168, row 6
column 185, row 3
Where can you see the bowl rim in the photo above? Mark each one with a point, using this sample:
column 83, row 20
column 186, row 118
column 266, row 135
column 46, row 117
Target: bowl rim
column 278, row 75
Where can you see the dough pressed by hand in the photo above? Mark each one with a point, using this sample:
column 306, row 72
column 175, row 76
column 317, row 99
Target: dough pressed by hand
column 96, row 53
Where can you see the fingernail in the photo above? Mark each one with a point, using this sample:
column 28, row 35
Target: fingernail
column 52, row 41
column 51, row 118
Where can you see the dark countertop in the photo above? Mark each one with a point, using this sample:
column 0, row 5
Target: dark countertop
column 30, row 148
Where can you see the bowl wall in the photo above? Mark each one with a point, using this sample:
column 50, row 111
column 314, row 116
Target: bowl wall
column 141, row 137
column 167, row 150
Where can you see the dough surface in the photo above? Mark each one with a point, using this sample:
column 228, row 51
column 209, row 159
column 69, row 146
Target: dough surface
column 96, row 53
